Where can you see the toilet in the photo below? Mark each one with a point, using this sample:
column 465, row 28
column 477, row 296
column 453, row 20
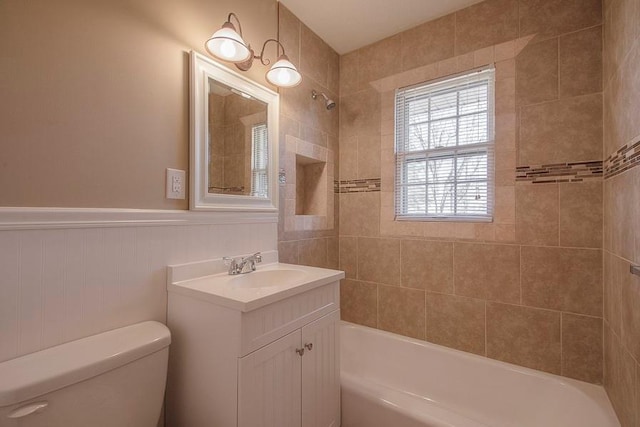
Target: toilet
column 113, row 379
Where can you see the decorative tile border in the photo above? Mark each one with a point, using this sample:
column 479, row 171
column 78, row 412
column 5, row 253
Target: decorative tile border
column 357, row 185
column 554, row 173
column 624, row 159
column 560, row 172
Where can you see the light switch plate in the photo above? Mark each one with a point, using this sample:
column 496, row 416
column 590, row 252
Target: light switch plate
column 175, row 183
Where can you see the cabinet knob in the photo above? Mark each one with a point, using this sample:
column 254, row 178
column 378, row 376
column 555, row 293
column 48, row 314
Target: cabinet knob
column 309, row 346
column 300, row 351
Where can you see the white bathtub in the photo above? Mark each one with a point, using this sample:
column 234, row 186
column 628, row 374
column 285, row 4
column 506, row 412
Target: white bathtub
column 392, row 381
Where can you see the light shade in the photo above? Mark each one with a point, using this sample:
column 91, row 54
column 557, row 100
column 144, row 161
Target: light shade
column 283, row 73
column 228, row 45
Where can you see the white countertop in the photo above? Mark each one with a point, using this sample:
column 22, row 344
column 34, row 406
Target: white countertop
column 229, row 291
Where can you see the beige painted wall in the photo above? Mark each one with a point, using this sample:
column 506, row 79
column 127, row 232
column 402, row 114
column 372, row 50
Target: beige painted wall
column 94, row 96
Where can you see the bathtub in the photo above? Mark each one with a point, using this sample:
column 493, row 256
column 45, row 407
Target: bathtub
column 389, row 380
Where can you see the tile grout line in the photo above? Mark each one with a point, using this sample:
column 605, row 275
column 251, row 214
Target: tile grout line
column 520, row 275
column 603, row 231
column 591, row 27
column 561, row 346
column 400, row 262
column 558, row 59
column 495, row 301
column 518, row 20
column 453, row 266
column 486, row 334
column 358, row 265
column 455, row 34
column 536, row 104
column 377, row 306
column 559, row 215
column 425, row 316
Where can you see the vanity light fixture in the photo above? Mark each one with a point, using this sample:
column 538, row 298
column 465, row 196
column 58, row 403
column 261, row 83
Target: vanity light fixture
column 228, row 45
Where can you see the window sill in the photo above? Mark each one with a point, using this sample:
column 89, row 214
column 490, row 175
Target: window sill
column 445, row 219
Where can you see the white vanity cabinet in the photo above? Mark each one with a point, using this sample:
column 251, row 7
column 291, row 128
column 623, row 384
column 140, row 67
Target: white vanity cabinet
column 253, row 364
column 294, row 381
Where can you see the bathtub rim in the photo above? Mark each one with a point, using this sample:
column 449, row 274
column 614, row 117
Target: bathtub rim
column 594, row 392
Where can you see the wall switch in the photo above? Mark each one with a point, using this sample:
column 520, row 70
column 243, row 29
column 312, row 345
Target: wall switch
column 175, row 184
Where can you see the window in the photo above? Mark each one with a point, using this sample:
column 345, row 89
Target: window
column 444, row 149
column 259, row 161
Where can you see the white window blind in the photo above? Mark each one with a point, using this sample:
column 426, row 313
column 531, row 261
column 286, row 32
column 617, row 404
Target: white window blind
column 259, row 161
column 444, row 149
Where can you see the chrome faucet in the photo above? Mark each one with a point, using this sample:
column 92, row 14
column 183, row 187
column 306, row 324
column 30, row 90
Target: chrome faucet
column 243, row 265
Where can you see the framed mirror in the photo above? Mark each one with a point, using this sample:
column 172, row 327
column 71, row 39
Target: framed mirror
column 233, row 140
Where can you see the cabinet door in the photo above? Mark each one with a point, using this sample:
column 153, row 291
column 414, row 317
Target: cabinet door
column 321, row 372
column 269, row 385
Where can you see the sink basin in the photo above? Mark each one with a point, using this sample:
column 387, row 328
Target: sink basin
column 271, row 282
column 268, row 278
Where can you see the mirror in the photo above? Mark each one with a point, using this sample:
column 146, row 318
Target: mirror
column 234, row 128
column 237, row 142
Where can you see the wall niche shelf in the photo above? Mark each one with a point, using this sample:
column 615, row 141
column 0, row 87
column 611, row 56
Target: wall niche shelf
column 311, row 186
column 309, row 198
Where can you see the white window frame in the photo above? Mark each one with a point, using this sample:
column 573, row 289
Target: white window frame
column 258, row 174
column 485, row 74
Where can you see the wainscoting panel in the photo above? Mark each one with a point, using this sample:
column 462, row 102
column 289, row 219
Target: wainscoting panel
column 58, row 285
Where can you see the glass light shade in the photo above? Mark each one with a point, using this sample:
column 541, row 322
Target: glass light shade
column 283, row 73
column 228, row 45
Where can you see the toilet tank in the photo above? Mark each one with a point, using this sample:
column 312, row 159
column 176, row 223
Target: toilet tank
column 113, row 379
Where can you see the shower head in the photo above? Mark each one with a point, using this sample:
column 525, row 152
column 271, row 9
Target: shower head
column 328, row 103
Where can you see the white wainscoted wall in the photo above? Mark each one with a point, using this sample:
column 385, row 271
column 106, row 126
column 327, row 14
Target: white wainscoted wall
column 68, row 275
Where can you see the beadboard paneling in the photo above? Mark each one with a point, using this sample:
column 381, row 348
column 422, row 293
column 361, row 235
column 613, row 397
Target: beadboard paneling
column 57, row 285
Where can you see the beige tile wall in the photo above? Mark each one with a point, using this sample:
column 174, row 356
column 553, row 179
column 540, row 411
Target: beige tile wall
column 535, row 300
column 622, row 210
column 307, row 128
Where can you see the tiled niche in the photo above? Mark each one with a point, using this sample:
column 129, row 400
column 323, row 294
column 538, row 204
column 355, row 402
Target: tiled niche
column 309, row 172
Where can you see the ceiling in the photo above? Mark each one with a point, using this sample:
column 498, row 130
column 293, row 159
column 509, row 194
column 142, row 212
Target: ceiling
column 347, row 25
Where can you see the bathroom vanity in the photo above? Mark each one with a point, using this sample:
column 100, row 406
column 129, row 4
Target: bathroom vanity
column 257, row 349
